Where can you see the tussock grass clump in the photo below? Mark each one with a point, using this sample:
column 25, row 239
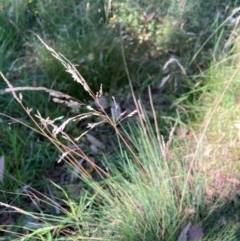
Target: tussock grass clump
column 147, row 194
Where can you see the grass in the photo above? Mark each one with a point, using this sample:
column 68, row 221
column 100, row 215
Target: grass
column 124, row 180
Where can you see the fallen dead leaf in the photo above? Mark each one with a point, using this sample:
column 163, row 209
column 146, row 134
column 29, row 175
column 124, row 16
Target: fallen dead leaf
column 149, row 17
column 94, row 141
column 181, row 132
column 102, row 102
column 88, row 165
column 184, row 234
column 116, row 111
column 2, row 165
column 195, row 232
column 164, row 80
column 191, row 233
column 94, row 148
